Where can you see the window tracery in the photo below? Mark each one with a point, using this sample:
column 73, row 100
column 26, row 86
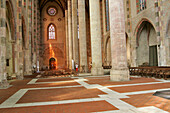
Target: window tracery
column 51, row 32
column 52, row 11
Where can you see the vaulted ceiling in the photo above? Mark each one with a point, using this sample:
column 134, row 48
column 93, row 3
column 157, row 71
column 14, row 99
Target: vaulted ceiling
column 61, row 3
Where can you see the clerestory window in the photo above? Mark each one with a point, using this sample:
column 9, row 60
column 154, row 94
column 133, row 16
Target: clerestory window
column 107, row 15
column 141, row 5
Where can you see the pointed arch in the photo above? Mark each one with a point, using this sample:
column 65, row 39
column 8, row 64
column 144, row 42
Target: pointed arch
column 11, row 18
column 140, row 27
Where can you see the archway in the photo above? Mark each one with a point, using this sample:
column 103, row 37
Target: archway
column 10, row 39
column 52, row 63
column 146, row 45
column 24, row 44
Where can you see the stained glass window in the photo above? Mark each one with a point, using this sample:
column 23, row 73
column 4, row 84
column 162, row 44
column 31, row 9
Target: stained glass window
column 52, row 11
column 141, row 5
column 51, row 32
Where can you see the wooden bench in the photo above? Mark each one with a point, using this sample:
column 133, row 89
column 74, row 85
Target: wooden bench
column 152, row 71
column 107, row 67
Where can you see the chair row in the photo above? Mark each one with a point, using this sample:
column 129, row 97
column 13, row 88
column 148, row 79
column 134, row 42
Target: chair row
column 152, row 71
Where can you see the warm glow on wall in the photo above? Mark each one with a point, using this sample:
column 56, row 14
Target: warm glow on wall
column 52, row 55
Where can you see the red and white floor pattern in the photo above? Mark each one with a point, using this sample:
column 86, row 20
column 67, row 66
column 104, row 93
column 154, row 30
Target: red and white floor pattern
column 85, row 94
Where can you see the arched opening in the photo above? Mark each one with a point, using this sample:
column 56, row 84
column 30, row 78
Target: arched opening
column 9, row 58
column 146, row 45
column 10, row 39
column 53, row 32
column 52, row 63
column 24, row 43
column 128, row 50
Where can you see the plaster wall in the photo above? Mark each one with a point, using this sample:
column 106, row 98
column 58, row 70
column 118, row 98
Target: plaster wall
column 143, row 48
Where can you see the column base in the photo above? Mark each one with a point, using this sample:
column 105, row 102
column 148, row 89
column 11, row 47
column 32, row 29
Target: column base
column 4, row 84
column 28, row 73
column 20, row 77
column 97, row 71
column 83, row 69
column 119, row 75
column 14, row 75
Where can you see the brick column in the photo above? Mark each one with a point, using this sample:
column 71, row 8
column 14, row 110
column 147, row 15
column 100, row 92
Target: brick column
column 75, row 31
column 38, row 36
column 95, row 28
column 3, row 79
column 82, row 36
column 28, row 62
column 70, row 35
column 67, row 39
column 119, row 71
column 34, row 31
column 19, row 41
column 160, row 35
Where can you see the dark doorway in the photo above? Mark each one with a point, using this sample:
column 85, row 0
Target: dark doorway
column 52, row 63
column 153, row 57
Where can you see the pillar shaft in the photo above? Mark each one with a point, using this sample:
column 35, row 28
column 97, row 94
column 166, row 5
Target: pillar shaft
column 82, row 36
column 34, row 32
column 119, row 70
column 19, row 41
column 70, row 34
column 95, row 28
column 28, row 61
column 75, row 31
column 67, row 39
column 2, row 42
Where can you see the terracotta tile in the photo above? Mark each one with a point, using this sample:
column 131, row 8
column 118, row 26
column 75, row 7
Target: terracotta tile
column 59, row 94
column 105, row 81
column 85, row 107
column 141, row 87
column 143, row 100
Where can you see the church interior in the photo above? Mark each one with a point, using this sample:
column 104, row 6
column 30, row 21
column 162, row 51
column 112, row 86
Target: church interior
column 84, row 56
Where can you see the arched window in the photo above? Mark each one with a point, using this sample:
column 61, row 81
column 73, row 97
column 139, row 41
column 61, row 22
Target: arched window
column 107, row 15
column 141, row 5
column 51, row 32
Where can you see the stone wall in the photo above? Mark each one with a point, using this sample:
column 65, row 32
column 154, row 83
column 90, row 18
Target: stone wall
column 137, row 58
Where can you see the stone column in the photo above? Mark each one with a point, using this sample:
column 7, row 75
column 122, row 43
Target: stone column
column 75, row 32
column 82, row 36
column 3, row 79
column 20, row 74
column 70, row 35
column 67, row 40
column 119, row 71
column 34, row 31
column 29, row 51
column 95, row 28
column 28, row 65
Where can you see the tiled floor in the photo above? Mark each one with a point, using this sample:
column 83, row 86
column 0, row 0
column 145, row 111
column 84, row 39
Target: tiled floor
column 84, row 95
